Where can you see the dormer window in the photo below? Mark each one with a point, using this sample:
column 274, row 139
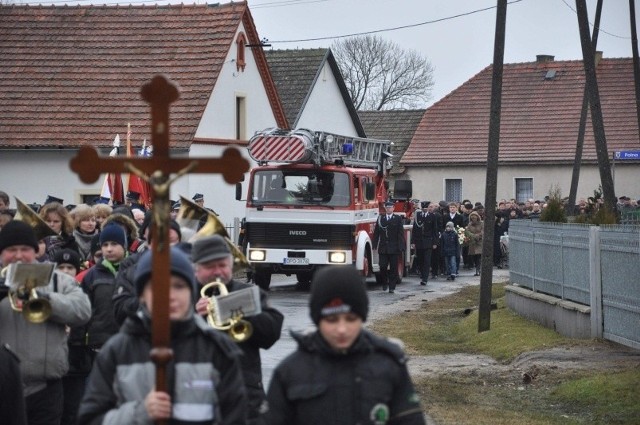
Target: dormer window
column 241, row 40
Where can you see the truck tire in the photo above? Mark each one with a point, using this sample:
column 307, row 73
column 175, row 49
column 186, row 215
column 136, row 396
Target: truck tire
column 262, row 279
column 304, row 278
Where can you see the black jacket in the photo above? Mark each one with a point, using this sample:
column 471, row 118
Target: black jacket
column 98, row 284
column 203, row 378
column 125, row 301
column 388, row 235
column 318, row 386
column 267, row 327
column 425, row 231
column 12, row 411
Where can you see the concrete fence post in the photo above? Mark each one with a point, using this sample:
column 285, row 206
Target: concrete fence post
column 595, row 282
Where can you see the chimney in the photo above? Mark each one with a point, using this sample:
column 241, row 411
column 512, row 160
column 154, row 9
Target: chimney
column 544, row 58
column 597, row 57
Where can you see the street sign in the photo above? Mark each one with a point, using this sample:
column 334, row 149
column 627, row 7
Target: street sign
column 626, row 155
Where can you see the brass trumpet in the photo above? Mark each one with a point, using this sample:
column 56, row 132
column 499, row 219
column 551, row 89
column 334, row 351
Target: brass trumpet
column 24, row 299
column 238, row 329
column 191, row 213
column 26, row 214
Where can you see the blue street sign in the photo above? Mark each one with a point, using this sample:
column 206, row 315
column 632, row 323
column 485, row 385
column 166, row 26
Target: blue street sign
column 626, row 155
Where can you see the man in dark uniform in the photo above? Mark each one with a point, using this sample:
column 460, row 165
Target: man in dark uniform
column 388, row 239
column 425, row 238
column 132, row 200
column 213, row 260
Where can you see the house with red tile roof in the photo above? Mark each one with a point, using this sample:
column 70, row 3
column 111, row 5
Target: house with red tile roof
column 541, row 104
column 71, row 75
column 313, row 92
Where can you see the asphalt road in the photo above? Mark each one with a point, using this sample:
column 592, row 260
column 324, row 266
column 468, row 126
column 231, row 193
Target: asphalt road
column 292, row 301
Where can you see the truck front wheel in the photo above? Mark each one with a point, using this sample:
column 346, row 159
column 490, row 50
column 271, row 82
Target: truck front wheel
column 262, row 279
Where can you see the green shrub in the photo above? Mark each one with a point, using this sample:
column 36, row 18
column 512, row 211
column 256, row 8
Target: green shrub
column 554, row 212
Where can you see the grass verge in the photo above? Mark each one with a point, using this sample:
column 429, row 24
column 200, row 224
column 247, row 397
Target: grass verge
column 498, row 396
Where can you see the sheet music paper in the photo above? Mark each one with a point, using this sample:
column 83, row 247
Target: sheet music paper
column 38, row 274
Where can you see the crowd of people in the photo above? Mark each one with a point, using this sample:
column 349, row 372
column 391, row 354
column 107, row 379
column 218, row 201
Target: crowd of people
column 89, row 361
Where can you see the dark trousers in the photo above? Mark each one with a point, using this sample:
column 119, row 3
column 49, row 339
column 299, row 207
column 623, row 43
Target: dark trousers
column 423, row 257
column 389, row 261
column 73, row 387
column 435, row 261
column 45, row 406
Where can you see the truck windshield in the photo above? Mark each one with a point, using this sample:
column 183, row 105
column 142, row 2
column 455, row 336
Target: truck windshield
column 301, row 187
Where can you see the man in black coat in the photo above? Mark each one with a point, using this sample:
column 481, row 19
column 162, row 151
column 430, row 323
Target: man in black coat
column 425, row 238
column 213, row 260
column 12, row 410
column 388, row 239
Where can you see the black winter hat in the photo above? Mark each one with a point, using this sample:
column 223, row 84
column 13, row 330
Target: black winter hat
column 337, row 289
column 67, row 256
column 113, row 233
column 17, row 232
column 180, row 266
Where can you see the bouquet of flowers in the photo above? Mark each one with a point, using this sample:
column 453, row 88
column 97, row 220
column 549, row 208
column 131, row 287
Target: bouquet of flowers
column 463, row 236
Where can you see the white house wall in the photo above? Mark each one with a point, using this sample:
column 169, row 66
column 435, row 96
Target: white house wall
column 325, row 109
column 429, row 182
column 32, row 175
column 218, row 122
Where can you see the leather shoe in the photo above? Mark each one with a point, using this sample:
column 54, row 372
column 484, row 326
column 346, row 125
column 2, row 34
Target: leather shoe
column 391, row 291
column 384, row 287
column 423, row 283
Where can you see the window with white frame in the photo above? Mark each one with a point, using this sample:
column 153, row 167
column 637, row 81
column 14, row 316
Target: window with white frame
column 524, row 189
column 453, row 190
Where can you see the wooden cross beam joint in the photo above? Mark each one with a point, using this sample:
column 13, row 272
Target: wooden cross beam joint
column 157, row 170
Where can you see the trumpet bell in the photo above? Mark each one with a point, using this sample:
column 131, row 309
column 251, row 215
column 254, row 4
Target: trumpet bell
column 241, row 330
column 26, row 214
column 191, row 213
column 36, row 310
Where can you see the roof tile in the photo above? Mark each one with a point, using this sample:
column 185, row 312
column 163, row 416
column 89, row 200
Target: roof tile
column 539, row 117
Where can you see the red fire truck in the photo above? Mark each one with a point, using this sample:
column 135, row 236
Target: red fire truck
column 313, row 200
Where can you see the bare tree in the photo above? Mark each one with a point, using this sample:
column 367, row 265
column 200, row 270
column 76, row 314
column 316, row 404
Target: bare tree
column 381, row 75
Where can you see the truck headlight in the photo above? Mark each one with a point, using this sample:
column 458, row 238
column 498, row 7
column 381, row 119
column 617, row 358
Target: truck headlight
column 337, row 257
column 257, row 255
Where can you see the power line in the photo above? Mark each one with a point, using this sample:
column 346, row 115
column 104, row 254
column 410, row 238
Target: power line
column 434, row 21
column 599, row 29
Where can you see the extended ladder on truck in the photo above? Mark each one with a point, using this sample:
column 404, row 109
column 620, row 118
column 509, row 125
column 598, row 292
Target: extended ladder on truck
column 305, row 146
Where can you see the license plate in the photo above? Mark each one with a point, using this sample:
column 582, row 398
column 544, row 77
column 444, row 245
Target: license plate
column 299, row 261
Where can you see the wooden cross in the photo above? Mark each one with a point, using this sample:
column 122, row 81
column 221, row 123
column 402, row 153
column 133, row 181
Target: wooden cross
column 159, row 93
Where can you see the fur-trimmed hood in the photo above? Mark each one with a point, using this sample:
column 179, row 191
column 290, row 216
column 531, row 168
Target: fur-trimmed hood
column 130, row 225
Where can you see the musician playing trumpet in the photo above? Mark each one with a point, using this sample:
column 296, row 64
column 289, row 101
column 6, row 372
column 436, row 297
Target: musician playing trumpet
column 213, row 260
column 41, row 347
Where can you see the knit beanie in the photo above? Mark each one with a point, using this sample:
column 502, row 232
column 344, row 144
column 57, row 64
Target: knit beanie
column 17, row 232
column 337, row 289
column 179, row 266
column 67, row 256
column 450, row 224
column 113, row 233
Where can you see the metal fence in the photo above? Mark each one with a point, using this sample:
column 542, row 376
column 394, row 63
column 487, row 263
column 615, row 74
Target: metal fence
column 598, row 266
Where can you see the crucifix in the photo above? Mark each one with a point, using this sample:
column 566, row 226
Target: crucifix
column 157, row 170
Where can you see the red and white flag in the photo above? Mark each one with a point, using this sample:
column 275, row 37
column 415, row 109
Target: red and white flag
column 112, row 185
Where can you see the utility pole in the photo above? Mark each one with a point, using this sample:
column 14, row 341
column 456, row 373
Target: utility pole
column 575, row 176
column 486, row 277
column 591, row 81
column 636, row 61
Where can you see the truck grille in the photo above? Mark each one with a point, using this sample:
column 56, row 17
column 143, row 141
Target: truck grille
column 302, row 236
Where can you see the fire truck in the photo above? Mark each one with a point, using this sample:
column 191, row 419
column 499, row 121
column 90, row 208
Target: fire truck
column 312, row 201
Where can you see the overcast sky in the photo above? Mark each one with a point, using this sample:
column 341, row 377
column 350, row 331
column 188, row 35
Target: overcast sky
column 456, row 36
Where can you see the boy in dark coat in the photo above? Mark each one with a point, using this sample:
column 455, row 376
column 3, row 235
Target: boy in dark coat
column 342, row 374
